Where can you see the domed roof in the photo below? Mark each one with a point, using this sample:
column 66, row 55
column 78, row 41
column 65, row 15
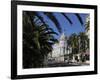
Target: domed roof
column 62, row 36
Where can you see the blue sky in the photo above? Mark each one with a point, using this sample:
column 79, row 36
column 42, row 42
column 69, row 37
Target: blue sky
column 67, row 28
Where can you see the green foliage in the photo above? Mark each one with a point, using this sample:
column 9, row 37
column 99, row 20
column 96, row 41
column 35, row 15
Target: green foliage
column 79, row 44
column 37, row 41
column 73, row 42
column 38, row 37
column 84, row 42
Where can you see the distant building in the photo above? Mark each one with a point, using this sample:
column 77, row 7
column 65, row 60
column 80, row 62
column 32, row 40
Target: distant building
column 59, row 49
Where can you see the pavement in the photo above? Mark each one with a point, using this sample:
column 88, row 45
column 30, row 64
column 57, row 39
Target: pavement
column 62, row 64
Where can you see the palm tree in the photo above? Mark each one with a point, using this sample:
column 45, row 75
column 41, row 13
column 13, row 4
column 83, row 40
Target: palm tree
column 37, row 42
column 84, row 43
column 52, row 17
column 38, row 37
column 87, row 24
column 73, row 43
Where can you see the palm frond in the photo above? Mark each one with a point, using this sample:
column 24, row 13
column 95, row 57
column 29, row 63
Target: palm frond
column 50, row 32
column 54, row 20
column 40, row 17
column 79, row 18
column 67, row 18
column 30, row 17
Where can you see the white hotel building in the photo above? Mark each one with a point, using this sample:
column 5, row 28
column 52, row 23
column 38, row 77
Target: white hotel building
column 59, row 50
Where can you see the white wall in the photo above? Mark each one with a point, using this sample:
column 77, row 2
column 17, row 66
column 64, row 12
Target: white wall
column 5, row 52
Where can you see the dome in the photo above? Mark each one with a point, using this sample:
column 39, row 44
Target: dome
column 62, row 41
column 62, row 36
